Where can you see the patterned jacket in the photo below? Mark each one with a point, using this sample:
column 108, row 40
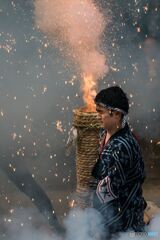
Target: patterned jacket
column 120, row 174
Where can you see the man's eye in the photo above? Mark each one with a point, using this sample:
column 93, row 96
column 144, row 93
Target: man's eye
column 99, row 111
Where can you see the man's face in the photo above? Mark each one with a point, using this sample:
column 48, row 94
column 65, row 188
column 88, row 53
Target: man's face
column 107, row 117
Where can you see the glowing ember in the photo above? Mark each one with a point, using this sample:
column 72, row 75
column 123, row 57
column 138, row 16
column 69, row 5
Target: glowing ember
column 59, row 126
column 89, row 92
column 72, row 203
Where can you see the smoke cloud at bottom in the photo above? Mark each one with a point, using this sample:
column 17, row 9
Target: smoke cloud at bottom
column 79, row 224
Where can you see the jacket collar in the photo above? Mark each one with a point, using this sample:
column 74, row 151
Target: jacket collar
column 120, row 132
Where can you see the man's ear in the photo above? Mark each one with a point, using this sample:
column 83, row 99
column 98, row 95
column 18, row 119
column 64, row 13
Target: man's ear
column 110, row 113
column 118, row 114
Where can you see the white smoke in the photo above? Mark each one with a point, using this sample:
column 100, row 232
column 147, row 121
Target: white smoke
column 76, row 27
column 80, row 224
column 84, row 224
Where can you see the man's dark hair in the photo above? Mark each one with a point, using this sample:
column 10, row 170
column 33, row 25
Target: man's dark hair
column 113, row 97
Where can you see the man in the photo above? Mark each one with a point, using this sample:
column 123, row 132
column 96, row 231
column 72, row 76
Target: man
column 120, row 168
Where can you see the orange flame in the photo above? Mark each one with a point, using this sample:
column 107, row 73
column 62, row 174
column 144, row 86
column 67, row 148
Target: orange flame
column 89, row 92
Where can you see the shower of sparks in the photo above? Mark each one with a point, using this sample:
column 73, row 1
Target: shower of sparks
column 30, row 70
column 7, row 42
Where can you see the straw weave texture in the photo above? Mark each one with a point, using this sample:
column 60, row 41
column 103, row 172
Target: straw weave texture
column 88, row 125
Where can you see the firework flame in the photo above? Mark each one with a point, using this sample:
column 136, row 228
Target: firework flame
column 89, row 92
column 76, row 28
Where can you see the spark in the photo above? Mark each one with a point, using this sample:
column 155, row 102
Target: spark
column 14, row 136
column 59, row 125
column 11, row 211
column 2, row 114
column 13, row 168
column 44, row 90
column 138, row 29
column 114, row 69
column 48, row 145
column 72, row 203
column 13, row 4
column 64, row 180
column 145, row 9
column 8, row 42
column 134, row 65
column 46, row 45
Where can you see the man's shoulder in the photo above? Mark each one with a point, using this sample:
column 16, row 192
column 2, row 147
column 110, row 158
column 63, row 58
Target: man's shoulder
column 126, row 142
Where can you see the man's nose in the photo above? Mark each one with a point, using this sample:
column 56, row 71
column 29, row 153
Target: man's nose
column 99, row 115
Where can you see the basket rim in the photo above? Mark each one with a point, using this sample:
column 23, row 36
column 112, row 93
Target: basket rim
column 80, row 111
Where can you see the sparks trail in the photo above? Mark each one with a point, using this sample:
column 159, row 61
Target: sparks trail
column 23, row 180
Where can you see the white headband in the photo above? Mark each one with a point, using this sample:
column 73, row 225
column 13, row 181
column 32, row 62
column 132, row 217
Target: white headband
column 112, row 108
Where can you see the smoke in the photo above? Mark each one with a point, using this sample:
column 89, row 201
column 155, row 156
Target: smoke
column 155, row 223
column 151, row 231
column 30, row 106
column 27, row 68
column 80, row 224
column 76, row 28
column 84, row 224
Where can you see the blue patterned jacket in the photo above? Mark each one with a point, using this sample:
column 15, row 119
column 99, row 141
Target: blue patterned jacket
column 120, row 174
